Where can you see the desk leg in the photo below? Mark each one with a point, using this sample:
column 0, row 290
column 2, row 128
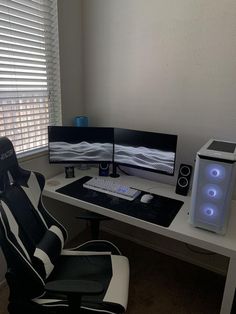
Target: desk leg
column 229, row 290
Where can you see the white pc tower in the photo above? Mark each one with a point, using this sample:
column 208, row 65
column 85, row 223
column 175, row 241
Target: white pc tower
column 213, row 184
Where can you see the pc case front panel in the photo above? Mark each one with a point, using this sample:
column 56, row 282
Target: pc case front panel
column 211, row 194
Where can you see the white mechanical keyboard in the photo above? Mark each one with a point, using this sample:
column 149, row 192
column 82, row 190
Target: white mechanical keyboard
column 109, row 186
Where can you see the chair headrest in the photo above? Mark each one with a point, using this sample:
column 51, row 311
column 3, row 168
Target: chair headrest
column 8, row 158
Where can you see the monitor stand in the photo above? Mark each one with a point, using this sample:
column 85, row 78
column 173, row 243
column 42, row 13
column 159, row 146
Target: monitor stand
column 114, row 173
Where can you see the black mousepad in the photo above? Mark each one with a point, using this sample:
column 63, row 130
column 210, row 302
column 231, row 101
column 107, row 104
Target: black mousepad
column 161, row 211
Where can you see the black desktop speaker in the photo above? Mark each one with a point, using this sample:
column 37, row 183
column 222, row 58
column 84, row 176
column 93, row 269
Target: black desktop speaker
column 104, row 169
column 184, row 178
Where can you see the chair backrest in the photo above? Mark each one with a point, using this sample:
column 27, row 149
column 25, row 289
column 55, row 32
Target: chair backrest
column 31, row 239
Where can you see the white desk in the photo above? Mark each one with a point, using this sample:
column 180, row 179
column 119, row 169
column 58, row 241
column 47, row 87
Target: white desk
column 179, row 229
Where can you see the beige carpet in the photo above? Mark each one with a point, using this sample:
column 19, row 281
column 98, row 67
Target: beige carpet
column 160, row 284
column 3, row 299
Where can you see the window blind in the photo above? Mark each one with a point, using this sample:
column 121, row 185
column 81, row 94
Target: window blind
column 29, row 72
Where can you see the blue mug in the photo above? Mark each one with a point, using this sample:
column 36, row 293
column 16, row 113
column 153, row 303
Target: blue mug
column 81, row 121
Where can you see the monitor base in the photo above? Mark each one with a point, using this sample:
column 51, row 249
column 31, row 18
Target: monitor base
column 114, row 175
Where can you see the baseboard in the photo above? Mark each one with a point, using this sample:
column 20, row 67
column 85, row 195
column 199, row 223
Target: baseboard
column 168, row 251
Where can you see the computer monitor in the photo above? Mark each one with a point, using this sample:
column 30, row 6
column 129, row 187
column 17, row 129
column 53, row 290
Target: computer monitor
column 72, row 144
column 145, row 150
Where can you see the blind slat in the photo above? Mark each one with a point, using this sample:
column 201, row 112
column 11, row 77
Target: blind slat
column 17, row 20
column 25, row 124
column 17, row 27
column 22, row 43
column 22, row 82
column 25, row 134
column 30, row 38
column 31, row 76
column 6, row 48
column 5, row 68
column 20, row 7
column 25, row 16
column 4, row 57
column 17, row 94
column 33, row 4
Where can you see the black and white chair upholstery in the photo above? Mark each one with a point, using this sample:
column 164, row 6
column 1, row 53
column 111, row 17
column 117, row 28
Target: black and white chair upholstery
column 43, row 277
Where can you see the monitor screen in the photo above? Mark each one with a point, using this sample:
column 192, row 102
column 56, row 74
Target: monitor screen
column 145, row 150
column 72, row 144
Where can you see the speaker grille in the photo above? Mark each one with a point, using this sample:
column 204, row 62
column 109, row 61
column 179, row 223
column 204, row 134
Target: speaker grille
column 183, row 181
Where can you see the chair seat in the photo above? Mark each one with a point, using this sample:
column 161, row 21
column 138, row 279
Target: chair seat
column 106, row 269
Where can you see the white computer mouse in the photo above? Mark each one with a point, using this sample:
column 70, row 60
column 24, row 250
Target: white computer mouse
column 146, row 198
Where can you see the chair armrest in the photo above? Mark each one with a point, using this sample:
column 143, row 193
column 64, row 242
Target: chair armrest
column 75, row 287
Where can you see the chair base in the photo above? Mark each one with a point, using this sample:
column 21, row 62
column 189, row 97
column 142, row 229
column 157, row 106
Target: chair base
column 95, row 220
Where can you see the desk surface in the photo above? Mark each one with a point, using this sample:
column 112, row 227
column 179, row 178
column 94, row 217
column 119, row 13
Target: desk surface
column 180, row 228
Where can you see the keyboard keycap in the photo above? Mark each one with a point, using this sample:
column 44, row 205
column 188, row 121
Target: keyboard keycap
column 108, row 186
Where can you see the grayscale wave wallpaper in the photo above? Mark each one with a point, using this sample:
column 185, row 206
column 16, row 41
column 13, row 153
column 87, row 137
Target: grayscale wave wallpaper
column 83, row 151
column 145, row 157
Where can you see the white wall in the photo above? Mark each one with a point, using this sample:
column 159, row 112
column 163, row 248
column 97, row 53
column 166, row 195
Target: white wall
column 162, row 65
column 70, row 55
